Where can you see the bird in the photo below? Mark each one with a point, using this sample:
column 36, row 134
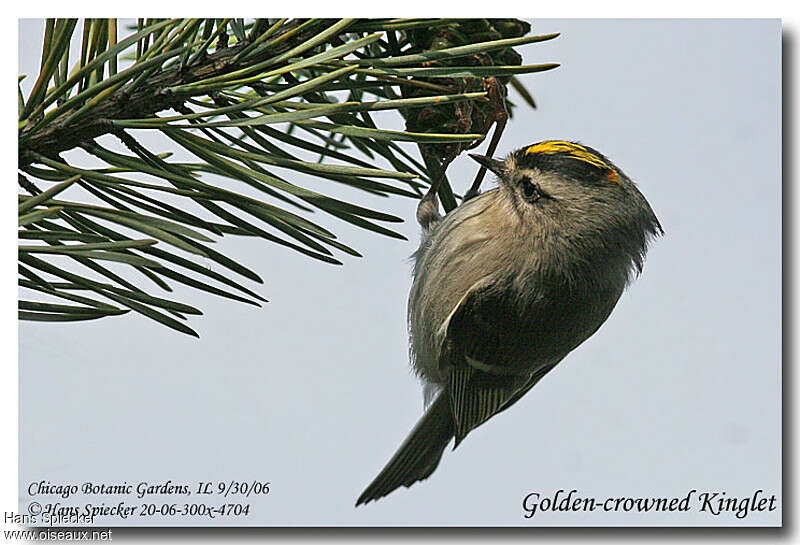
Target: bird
column 508, row 283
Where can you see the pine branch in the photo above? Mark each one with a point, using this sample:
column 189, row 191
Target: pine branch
column 236, row 86
column 151, row 96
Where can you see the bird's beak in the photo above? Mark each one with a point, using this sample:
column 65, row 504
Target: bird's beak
column 494, row 165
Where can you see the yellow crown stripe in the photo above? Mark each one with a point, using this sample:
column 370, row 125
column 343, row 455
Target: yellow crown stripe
column 554, row 146
column 576, row 151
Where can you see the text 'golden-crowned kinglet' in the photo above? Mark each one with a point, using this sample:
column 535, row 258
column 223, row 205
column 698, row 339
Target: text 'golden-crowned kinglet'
column 510, row 282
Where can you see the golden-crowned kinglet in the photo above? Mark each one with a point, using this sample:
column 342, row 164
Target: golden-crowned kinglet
column 510, row 282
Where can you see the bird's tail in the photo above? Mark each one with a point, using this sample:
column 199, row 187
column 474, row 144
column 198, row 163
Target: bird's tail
column 419, row 454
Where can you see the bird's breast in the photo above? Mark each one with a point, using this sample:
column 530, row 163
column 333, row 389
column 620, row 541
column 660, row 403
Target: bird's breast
column 542, row 315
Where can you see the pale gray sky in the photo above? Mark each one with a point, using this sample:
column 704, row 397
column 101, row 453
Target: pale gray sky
column 679, row 390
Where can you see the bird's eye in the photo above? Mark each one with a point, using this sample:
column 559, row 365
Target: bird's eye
column 529, row 190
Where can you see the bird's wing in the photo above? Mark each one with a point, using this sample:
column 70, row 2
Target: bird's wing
column 477, row 347
column 481, row 345
column 476, row 396
column 532, row 381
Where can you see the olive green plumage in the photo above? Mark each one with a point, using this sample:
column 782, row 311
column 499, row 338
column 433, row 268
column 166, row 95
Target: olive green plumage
column 510, row 282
